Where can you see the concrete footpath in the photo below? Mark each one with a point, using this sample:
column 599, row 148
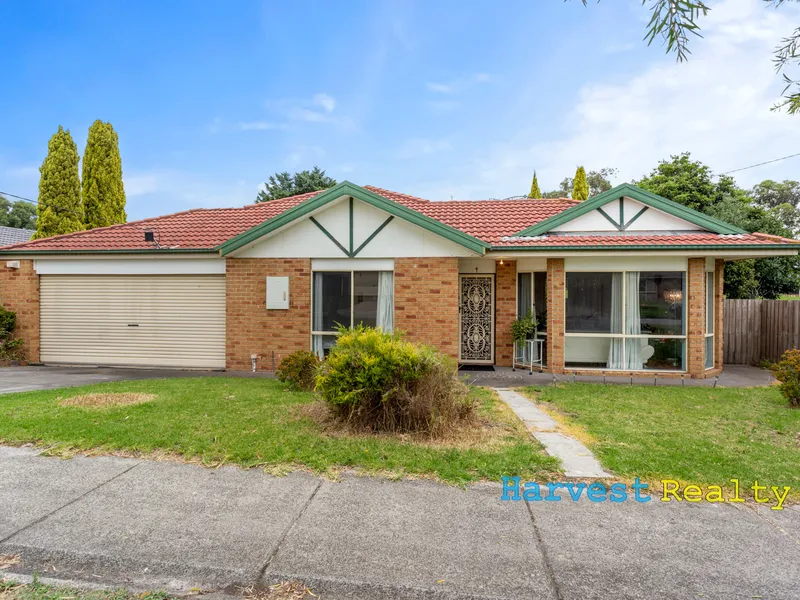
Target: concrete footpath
column 151, row 525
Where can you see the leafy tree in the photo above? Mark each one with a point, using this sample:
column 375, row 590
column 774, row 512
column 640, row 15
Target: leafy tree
column 22, row 215
column 580, row 186
column 283, row 185
column 103, row 191
column 599, row 182
column 59, row 210
column 772, row 193
column 683, row 180
column 559, row 193
column 535, row 191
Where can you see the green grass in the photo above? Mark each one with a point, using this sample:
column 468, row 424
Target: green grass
column 697, row 435
column 788, row 297
column 37, row 591
column 257, row 422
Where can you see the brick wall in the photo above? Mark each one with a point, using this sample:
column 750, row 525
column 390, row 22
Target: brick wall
column 556, row 287
column 19, row 291
column 719, row 317
column 696, row 318
column 250, row 327
column 426, row 301
column 505, row 310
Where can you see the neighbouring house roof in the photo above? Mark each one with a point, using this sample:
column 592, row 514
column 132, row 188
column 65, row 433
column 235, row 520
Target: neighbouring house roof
column 481, row 225
column 14, row 235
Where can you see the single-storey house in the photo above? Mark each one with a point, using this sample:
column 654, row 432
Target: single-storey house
column 624, row 282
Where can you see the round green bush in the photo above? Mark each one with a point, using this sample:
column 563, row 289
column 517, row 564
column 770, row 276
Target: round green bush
column 379, row 381
column 787, row 372
column 298, row 369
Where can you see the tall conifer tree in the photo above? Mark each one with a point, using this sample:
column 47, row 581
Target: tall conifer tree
column 580, row 187
column 103, row 191
column 59, row 210
column 535, row 191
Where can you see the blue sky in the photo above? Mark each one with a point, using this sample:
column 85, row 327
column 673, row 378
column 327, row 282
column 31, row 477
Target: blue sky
column 445, row 99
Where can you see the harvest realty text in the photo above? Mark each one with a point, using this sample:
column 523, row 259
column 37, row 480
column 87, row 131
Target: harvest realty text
column 618, row 492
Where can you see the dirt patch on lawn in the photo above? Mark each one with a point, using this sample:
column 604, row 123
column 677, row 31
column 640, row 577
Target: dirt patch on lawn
column 106, row 400
column 287, row 590
column 484, row 432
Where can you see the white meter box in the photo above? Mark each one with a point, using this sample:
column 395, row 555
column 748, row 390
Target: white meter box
column 277, row 293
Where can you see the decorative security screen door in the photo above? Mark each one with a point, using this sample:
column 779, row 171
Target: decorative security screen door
column 476, row 315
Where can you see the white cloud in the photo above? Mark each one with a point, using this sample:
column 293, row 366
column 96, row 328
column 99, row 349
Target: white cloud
column 416, row 147
column 458, row 85
column 259, row 126
column 328, row 103
column 717, row 106
column 181, row 190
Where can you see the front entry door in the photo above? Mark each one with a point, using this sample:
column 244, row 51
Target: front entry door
column 476, row 316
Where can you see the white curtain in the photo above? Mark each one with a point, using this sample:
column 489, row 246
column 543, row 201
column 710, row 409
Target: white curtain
column 633, row 321
column 615, row 350
column 316, row 324
column 385, row 317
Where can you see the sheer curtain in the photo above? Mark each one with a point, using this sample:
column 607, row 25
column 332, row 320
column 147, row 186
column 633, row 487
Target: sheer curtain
column 385, row 317
column 524, row 300
column 316, row 319
column 633, row 324
column 616, row 348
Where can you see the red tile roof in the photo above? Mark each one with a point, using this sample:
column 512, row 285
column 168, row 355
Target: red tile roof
column 492, row 221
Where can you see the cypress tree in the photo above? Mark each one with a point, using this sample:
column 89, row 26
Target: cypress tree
column 580, row 187
column 59, row 210
column 535, row 191
column 103, row 191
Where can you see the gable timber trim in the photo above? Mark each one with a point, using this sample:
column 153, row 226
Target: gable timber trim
column 631, row 191
column 350, row 189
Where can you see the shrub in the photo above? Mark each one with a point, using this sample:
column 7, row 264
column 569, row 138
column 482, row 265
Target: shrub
column 10, row 347
column 298, row 369
column 378, row 381
column 787, row 372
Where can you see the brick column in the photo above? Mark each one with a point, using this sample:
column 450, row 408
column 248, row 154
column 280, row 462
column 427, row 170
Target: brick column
column 19, row 292
column 426, row 301
column 556, row 289
column 719, row 320
column 696, row 322
column 505, row 307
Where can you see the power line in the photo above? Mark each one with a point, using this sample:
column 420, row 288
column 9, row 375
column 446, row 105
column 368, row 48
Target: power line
column 762, row 163
column 19, row 197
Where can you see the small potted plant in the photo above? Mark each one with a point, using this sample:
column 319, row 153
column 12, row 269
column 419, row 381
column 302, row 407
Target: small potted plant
column 524, row 328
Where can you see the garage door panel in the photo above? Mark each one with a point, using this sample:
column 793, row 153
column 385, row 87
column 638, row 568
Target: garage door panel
column 179, row 320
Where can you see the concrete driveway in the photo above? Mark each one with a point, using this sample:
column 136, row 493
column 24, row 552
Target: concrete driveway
column 26, row 379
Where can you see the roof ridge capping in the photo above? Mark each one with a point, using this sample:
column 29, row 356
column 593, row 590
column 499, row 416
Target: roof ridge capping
column 346, row 188
column 636, row 193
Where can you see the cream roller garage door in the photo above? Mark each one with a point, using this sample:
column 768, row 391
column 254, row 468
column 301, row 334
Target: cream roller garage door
column 145, row 320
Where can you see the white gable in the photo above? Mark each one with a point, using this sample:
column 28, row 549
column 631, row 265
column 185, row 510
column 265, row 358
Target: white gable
column 651, row 219
column 397, row 239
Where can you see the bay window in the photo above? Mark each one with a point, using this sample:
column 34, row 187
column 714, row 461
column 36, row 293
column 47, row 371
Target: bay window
column 349, row 298
column 627, row 320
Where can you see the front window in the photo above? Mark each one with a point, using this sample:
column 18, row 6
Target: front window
column 627, row 320
column 349, row 298
column 710, row 320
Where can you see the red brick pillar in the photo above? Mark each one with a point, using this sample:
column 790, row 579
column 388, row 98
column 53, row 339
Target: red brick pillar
column 556, row 288
column 719, row 320
column 696, row 325
column 505, row 307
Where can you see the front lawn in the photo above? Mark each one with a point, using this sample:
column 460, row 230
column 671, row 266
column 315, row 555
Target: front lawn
column 257, row 422
column 694, row 435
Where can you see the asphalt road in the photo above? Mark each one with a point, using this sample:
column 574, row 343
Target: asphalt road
column 159, row 525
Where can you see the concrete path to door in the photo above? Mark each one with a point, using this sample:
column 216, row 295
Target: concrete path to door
column 26, row 379
column 160, row 525
column 576, row 459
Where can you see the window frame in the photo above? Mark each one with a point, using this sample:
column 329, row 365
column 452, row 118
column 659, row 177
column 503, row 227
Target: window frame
column 352, row 273
column 711, row 319
column 532, row 307
column 626, row 336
